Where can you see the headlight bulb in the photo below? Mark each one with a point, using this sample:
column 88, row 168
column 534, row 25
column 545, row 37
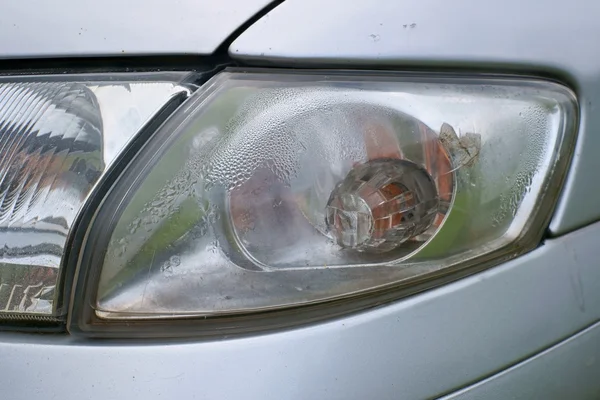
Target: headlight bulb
column 381, row 204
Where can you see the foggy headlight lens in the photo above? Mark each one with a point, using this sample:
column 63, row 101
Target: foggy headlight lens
column 270, row 191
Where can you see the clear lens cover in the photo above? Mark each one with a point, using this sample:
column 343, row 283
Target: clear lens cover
column 269, row 191
column 58, row 135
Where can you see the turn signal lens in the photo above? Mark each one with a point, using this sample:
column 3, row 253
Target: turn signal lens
column 267, row 192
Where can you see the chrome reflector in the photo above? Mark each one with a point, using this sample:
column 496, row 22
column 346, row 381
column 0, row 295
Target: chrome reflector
column 57, row 137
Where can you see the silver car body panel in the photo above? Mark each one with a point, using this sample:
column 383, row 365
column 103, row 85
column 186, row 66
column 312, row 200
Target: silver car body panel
column 518, row 36
column 65, row 28
column 419, row 347
column 569, row 370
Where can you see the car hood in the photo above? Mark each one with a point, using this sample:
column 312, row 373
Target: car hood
column 68, row 28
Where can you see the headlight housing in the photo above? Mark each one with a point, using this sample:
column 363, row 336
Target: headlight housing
column 276, row 198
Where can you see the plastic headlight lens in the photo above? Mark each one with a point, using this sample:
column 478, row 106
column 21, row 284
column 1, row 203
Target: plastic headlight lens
column 58, row 135
column 272, row 191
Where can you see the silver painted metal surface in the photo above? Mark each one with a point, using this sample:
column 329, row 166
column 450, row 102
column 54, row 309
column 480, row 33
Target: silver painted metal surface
column 37, row 28
column 569, row 370
column 422, row 346
column 512, row 36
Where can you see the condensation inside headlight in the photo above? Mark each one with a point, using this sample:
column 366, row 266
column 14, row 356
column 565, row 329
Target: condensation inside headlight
column 270, row 191
column 58, row 135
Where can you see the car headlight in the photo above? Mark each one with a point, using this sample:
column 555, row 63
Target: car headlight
column 273, row 198
column 58, row 137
